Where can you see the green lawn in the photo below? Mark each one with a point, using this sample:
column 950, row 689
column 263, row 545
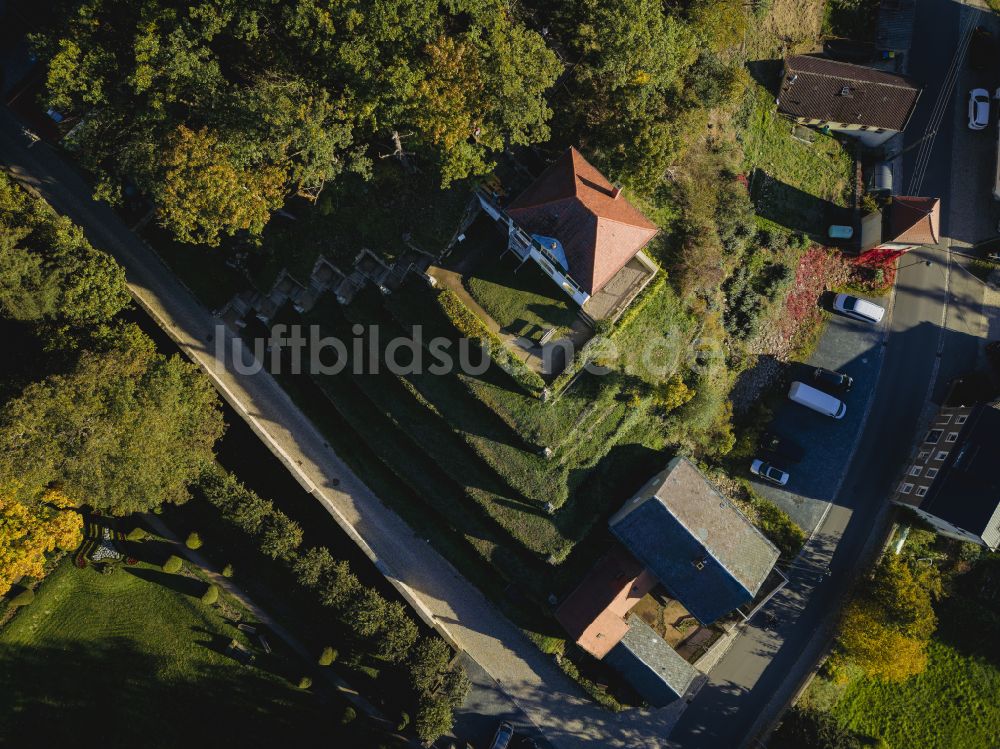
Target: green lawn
column 793, row 183
column 135, row 659
column 953, row 704
column 523, row 301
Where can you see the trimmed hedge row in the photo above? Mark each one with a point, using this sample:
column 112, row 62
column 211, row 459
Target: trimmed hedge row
column 473, row 328
column 384, row 628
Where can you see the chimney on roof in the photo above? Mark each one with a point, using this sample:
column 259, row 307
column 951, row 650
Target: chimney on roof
column 616, row 190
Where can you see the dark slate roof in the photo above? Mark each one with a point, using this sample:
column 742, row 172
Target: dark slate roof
column 653, row 668
column 833, row 91
column 871, row 231
column 966, row 491
column 895, row 25
column 599, row 230
column 695, row 541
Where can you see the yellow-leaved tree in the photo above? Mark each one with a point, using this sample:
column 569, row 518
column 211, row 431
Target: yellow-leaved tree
column 29, row 531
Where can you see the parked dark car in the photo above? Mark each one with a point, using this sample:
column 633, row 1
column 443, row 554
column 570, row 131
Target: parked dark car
column 781, row 447
column 831, row 380
column 503, row 736
column 982, row 49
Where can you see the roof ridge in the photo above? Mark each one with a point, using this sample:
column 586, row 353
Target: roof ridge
column 887, row 84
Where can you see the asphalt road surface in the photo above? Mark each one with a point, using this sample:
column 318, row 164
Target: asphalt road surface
column 934, row 335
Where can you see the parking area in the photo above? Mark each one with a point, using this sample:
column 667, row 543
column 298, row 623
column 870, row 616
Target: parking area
column 851, row 347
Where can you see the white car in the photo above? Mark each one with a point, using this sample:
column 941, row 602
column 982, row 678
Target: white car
column 768, row 472
column 859, row 309
column 979, row 109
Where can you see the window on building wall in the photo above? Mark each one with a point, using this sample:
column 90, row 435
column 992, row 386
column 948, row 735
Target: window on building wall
column 906, row 488
column 952, row 437
column 921, row 491
column 933, row 436
column 944, row 418
column 880, row 130
column 915, row 470
column 942, row 454
column 960, row 419
column 932, row 472
column 922, row 455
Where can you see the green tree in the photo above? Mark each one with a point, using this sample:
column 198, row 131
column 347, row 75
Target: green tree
column 172, row 565
column 328, row 656
column 211, row 595
column 193, row 541
column 349, row 715
column 227, row 571
column 305, row 682
column 434, row 718
column 125, row 431
column 634, row 57
column 280, row 535
column 48, row 270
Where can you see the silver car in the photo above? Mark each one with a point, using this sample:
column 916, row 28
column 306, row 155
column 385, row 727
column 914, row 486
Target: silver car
column 769, row 472
column 859, row 309
column 979, row 109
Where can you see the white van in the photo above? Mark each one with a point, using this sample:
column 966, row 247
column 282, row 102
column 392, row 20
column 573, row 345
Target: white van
column 817, row 400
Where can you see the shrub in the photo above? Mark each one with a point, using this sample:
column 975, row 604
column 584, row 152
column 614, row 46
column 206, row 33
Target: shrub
column 349, row 715
column 305, row 682
column 328, row 656
column 23, row 598
column 211, row 595
column 136, row 534
column 193, row 541
column 404, row 721
column 172, row 565
column 227, row 571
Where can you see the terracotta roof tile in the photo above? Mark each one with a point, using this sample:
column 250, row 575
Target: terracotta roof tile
column 574, row 203
column 915, row 220
column 594, row 613
column 817, row 88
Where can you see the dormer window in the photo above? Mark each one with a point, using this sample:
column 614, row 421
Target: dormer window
column 845, row 91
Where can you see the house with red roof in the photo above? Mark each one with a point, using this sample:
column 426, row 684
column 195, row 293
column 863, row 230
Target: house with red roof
column 582, row 232
column 904, row 224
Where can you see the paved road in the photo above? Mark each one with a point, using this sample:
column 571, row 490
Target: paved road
column 935, row 334
column 434, row 588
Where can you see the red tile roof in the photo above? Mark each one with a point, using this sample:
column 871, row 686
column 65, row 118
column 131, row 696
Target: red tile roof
column 914, row 220
column 817, row 88
column 594, row 613
column 599, row 229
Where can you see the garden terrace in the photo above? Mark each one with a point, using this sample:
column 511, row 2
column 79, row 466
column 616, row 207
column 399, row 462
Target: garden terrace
column 136, row 649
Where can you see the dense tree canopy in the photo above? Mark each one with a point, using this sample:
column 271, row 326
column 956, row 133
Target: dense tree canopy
column 125, row 431
column 48, row 270
column 220, row 109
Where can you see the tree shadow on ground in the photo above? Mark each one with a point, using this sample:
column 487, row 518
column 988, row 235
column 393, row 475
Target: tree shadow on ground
column 150, row 551
column 188, row 586
column 793, row 208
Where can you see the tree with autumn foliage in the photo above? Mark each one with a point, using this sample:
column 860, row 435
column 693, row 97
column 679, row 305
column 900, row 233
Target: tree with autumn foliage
column 29, row 530
column 204, row 193
column 886, row 628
